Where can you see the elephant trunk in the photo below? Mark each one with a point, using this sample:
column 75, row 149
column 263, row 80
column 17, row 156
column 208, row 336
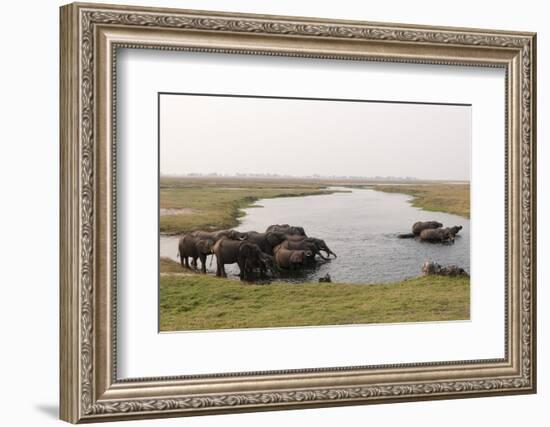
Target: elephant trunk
column 329, row 252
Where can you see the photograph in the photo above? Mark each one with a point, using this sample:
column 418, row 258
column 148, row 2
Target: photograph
column 290, row 212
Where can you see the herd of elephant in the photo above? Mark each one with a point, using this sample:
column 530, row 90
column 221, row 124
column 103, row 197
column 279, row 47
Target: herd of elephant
column 433, row 232
column 281, row 247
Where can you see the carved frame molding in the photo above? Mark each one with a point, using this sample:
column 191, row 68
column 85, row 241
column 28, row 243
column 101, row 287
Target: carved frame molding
column 90, row 35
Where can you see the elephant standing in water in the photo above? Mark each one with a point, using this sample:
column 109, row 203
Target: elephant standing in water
column 437, row 235
column 291, row 258
column 319, row 244
column 217, row 235
column 420, row 226
column 305, row 245
column 246, row 254
column 193, row 247
column 266, row 241
column 444, row 235
column 290, row 230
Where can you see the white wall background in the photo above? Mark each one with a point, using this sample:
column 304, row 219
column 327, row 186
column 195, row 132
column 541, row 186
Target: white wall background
column 29, row 170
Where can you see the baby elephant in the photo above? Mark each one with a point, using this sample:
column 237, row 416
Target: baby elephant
column 194, row 247
column 291, row 258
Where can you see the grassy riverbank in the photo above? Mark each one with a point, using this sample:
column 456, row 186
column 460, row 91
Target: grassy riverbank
column 216, row 203
column 449, row 198
column 189, row 301
column 212, row 204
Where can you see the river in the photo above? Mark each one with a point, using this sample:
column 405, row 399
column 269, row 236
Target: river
column 361, row 227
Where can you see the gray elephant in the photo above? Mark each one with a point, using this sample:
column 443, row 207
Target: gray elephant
column 193, row 247
column 437, row 235
column 420, row 226
column 266, row 241
column 267, row 265
column 287, row 229
column 247, row 255
column 315, row 246
column 319, row 244
column 217, row 235
column 291, row 259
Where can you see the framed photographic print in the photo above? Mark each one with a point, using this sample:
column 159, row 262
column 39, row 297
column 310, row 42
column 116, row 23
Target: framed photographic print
column 265, row 212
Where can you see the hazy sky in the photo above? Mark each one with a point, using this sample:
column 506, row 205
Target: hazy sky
column 204, row 134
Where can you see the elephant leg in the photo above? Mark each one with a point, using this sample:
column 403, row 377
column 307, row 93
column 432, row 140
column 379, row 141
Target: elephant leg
column 242, row 269
column 186, row 262
column 203, row 262
column 218, row 266
column 221, row 268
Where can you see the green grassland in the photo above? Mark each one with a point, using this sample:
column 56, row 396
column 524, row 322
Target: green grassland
column 190, row 301
column 440, row 197
column 215, row 204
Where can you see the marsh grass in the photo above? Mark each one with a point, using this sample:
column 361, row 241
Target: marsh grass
column 190, row 301
column 449, row 198
column 218, row 203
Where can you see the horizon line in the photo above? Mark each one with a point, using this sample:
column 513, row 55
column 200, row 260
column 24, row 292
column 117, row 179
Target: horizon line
column 279, row 176
column 373, row 101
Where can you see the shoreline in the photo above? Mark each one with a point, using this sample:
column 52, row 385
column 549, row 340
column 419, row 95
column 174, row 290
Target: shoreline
column 429, row 197
column 246, row 202
column 424, row 196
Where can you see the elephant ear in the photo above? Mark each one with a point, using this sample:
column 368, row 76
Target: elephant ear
column 274, row 238
column 245, row 250
column 271, row 239
column 203, row 246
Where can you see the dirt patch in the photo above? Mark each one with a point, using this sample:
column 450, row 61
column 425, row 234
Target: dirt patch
column 177, row 211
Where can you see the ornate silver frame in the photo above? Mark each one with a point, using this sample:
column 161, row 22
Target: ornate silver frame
column 90, row 35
